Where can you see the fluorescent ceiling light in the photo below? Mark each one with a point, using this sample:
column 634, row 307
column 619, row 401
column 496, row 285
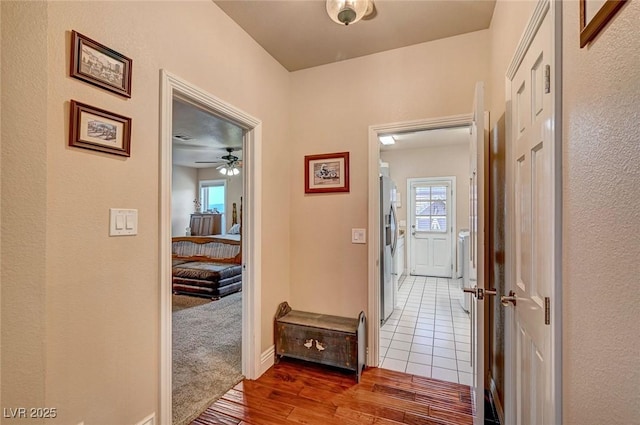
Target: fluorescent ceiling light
column 387, row 140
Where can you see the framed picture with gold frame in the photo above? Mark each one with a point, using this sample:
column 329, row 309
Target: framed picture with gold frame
column 594, row 16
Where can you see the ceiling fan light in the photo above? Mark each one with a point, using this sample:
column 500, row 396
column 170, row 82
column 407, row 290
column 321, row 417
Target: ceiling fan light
column 235, row 171
column 223, row 171
column 345, row 12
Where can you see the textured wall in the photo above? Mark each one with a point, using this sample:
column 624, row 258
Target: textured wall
column 601, row 223
column 24, row 195
column 332, row 109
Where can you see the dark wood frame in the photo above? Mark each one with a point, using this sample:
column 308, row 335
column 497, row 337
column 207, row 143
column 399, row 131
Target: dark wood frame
column 329, row 156
column 75, row 113
column 75, row 70
column 589, row 30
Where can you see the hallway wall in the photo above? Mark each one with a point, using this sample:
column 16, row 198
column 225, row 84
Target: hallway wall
column 601, row 221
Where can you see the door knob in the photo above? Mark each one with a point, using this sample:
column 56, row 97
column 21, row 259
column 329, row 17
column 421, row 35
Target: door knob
column 506, row 299
column 479, row 292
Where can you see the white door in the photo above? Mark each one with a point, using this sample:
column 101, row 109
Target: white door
column 531, row 164
column 431, row 202
column 477, row 145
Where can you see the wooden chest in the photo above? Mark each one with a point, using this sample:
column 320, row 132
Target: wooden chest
column 330, row 340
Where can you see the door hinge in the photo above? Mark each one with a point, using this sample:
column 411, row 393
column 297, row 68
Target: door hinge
column 547, row 311
column 547, row 79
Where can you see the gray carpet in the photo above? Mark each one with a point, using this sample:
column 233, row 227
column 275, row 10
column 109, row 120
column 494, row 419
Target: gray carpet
column 206, row 353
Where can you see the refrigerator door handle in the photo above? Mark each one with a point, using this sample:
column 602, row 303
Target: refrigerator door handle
column 394, row 231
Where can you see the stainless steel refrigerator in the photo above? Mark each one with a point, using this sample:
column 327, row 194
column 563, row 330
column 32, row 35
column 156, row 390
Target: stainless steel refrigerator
column 388, row 240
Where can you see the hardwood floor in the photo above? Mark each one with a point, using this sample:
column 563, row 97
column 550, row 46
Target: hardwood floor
column 294, row 392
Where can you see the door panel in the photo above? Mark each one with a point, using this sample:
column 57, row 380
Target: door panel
column 533, row 195
column 477, row 145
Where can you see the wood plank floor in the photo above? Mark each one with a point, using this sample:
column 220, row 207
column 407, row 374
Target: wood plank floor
column 294, row 392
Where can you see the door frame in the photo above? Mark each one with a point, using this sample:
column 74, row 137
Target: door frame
column 554, row 7
column 172, row 86
column 373, row 293
column 451, row 180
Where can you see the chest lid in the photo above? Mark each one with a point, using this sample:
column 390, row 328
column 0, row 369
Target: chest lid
column 321, row 321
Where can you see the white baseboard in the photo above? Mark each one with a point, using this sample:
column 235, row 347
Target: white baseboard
column 267, row 359
column 149, row 420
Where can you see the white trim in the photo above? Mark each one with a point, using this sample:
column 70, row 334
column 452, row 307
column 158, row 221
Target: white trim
column 542, row 8
column 373, row 292
column 172, row 86
column 267, row 359
column 149, row 420
column 451, row 181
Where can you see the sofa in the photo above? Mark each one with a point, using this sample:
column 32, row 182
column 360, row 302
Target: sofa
column 206, row 266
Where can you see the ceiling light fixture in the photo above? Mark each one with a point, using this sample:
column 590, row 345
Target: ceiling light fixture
column 387, row 140
column 229, row 170
column 345, row 12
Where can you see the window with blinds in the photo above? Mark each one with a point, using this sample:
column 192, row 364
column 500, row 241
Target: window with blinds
column 431, row 208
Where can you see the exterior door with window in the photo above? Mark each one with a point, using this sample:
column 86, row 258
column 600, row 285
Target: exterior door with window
column 431, row 238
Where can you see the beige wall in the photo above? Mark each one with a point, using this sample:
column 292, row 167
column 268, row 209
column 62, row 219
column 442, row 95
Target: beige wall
column 332, row 108
column 81, row 309
column 601, row 221
column 437, row 161
column 24, row 196
column 184, row 189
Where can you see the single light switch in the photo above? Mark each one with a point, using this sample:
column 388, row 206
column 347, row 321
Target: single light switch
column 130, row 222
column 358, row 236
column 123, row 222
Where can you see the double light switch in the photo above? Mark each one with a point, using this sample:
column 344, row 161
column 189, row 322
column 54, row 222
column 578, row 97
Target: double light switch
column 123, row 222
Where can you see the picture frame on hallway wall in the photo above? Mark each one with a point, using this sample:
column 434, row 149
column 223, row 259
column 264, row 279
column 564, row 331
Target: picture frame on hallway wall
column 326, row 173
column 99, row 130
column 594, row 16
column 99, row 65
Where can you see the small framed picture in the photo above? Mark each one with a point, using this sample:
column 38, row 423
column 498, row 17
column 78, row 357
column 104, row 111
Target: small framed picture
column 326, row 173
column 594, row 16
column 99, row 65
column 99, row 130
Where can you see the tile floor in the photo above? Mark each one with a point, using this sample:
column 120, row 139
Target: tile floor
column 428, row 334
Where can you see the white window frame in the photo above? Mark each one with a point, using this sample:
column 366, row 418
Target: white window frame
column 205, row 201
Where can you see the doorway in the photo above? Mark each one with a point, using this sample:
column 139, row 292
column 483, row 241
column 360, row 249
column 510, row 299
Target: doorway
column 411, row 344
column 173, row 87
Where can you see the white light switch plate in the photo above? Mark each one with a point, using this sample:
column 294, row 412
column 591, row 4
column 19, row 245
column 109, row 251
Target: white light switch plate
column 123, row 222
column 358, row 236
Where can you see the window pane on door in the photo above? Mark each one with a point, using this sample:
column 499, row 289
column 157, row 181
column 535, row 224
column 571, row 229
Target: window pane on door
column 431, row 208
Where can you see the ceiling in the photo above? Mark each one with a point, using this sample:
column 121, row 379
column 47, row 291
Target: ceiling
column 299, row 34
column 200, row 136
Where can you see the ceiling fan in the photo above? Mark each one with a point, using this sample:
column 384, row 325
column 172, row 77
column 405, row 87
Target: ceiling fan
column 229, row 164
